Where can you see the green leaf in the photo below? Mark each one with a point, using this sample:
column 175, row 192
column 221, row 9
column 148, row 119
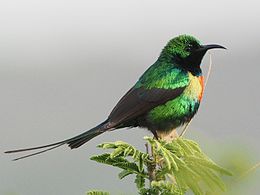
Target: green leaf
column 141, row 164
column 178, row 166
column 168, row 156
column 94, row 192
column 106, row 145
column 124, row 173
column 140, row 182
column 118, row 162
column 205, row 161
column 186, row 147
column 212, row 177
column 128, row 150
column 193, row 145
column 167, row 188
column 116, row 152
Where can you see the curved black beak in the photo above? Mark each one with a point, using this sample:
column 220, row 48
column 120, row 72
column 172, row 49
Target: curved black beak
column 196, row 56
column 211, row 46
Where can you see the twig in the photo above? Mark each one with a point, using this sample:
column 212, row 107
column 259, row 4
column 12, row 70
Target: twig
column 249, row 171
column 209, row 70
column 151, row 167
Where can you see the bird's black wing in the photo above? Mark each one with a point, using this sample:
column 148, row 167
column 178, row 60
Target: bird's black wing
column 138, row 101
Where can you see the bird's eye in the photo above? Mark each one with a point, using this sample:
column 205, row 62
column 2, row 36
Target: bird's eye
column 189, row 47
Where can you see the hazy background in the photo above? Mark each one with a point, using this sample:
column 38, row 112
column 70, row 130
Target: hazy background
column 65, row 64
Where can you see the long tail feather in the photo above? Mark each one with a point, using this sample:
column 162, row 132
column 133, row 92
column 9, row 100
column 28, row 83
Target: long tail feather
column 79, row 142
column 73, row 142
column 36, row 148
column 36, row 153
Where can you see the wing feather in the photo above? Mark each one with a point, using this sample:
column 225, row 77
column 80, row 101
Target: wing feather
column 138, row 101
column 160, row 83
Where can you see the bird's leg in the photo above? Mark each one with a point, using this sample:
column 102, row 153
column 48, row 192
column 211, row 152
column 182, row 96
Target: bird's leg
column 155, row 134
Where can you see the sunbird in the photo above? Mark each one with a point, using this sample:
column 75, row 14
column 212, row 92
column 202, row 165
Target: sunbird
column 166, row 96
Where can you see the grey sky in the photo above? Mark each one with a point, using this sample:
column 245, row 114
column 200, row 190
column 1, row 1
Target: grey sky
column 65, row 64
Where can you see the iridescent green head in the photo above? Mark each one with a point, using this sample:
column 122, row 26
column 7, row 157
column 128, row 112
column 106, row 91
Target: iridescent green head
column 181, row 46
column 186, row 51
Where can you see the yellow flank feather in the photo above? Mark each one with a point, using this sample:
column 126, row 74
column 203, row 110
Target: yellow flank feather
column 194, row 89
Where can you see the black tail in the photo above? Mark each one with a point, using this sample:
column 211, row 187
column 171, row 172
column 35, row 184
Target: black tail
column 73, row 142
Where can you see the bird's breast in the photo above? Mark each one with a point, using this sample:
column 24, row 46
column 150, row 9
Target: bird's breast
column 179, row 110
column 195, row 88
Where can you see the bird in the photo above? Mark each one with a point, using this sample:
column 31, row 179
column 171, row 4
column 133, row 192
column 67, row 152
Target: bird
column 166, row 96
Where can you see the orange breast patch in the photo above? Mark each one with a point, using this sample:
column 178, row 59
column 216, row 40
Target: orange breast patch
column 201, row 80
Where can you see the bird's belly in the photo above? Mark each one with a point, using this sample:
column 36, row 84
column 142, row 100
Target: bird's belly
column 172, row 114
column 178, row 111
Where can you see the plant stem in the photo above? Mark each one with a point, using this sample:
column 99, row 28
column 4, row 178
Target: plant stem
column 151, row 167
